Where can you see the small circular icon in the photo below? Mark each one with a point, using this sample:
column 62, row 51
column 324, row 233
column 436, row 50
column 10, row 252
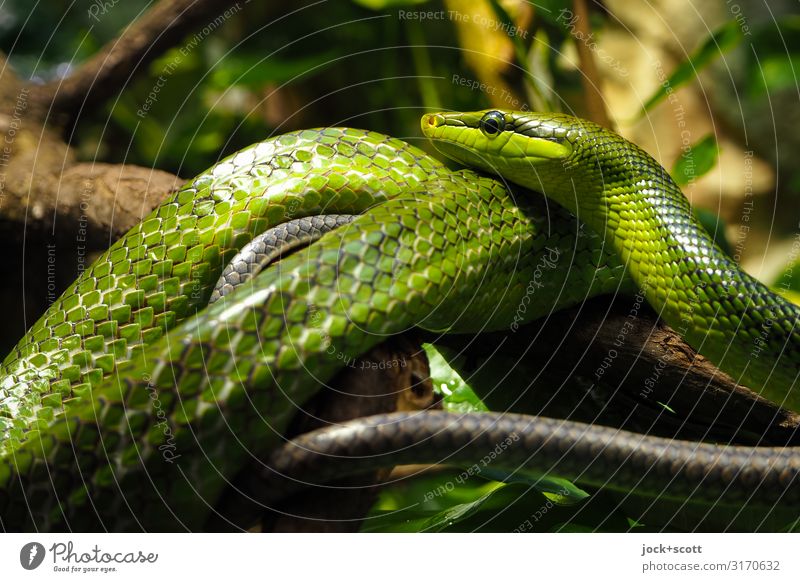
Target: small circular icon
column 31, row 555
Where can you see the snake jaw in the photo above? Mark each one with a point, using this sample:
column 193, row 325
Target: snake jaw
column 526, row 148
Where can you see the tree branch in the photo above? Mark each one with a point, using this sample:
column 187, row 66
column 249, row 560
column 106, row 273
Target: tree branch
column 108, row 71
column 608, row 363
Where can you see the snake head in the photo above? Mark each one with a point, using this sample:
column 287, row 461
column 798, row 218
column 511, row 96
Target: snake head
column 535, row 150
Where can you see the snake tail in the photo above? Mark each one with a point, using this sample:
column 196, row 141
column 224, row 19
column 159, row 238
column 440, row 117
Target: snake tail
column 602, row 456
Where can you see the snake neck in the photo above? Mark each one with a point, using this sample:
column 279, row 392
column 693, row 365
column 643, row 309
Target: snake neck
column 645, row 217
column 723, row 312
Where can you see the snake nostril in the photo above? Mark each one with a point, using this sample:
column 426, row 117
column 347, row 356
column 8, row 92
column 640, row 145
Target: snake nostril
column 433, row 120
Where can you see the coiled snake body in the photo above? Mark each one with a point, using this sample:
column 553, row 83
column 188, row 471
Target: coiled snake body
column 130, row 406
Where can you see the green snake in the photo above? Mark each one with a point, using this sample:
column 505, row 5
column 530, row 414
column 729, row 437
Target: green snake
column 131, row 405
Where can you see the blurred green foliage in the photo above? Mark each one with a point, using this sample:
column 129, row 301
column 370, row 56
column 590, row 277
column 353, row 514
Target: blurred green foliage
column 264, row 71
column 718, row 43
column 261, row 73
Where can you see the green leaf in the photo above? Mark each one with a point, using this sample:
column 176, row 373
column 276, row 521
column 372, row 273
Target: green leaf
column 793, row 527
column 423, row 67
column 477, row 505
column 720, row 41
column 666, row 407
column 458, row 513
column 558, row 490
column 410, row 505
column 175, row 61
column 787, row 283
column 779, row 72
column 458, row 396
column 541, row 88
column 696, row 161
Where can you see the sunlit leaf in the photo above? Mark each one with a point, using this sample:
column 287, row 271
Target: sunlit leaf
column 666, row 407
column 787, row 283
column 423, row 66
column 780, row 72
column 174, row 61
column 696, row 161
column 458, row 513
column 458, row 396
column 540, row 97
column 541, row 89
column 411, row 504
column 477, row 505
column 491, row 46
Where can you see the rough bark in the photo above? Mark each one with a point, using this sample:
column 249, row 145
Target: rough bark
column 580, row 365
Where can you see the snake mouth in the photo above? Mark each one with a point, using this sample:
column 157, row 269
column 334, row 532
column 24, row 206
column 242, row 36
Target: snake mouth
column 499, row 147
column 463, row 136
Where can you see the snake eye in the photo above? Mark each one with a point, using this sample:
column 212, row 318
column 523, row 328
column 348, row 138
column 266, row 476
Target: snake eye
column 492, row 123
